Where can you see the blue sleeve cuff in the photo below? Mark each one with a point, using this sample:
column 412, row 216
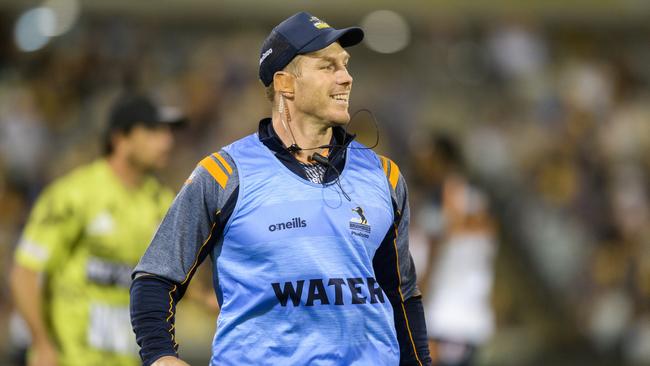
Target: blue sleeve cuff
column 152, row 316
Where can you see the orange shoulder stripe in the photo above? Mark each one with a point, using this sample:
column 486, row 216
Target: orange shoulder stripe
column 223, row 162
column 394, row 174
column 215, row 171
column 384, row 164
column 391, row 170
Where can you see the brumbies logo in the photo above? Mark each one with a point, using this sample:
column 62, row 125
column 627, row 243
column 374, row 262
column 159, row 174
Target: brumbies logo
column 318, row 23
column 359, row 225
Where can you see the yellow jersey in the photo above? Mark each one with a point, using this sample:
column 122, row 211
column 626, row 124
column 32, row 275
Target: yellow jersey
column 85, row 233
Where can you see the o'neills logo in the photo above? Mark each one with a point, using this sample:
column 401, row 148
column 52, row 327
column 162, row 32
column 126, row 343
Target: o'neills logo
column 295, row 223
column 265, row 55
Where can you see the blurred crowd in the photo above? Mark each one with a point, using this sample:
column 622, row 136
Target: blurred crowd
column 552, row 117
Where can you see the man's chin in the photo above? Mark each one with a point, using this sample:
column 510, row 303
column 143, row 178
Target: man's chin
column 154, row 167
column 341, row 120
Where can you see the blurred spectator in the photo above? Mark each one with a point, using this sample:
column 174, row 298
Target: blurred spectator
column 458, row 279
column 23, row 136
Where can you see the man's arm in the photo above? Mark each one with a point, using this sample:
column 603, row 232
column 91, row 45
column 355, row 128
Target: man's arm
column 54, row 226
column 26, row 289
column 395, row 272
column 190, row 230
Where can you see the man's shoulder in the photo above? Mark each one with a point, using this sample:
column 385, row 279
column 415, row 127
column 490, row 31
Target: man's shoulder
column 221, row 165
column 243, row 143
column 80, row 180
column 83, row 171
column 217, row 170
column 396, row 181
column 364, row 153
column 391, row 170
column 212, row 183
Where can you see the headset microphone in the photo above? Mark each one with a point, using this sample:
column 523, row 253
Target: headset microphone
column 319, row 158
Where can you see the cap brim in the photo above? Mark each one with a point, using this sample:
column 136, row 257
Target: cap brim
column 171, row 116
column 173, row 123
column 347, row 37
column 179, row 122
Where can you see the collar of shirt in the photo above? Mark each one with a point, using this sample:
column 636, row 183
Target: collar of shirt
column 340, row 139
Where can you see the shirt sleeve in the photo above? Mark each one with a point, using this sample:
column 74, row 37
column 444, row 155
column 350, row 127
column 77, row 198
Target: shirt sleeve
column 194, row 221
column 398, row 269
column 395, row 273
column 190, row 230
column 54, row 226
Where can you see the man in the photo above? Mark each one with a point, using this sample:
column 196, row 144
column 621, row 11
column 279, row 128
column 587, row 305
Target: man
column 88, row 229
column 302, row 226
column 460, row 269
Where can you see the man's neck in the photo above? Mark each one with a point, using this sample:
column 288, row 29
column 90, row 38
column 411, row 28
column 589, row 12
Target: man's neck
column 128, row 174
column 304, row 133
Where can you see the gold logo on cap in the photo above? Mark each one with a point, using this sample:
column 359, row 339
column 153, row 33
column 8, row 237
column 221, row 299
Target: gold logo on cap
column 319, row 23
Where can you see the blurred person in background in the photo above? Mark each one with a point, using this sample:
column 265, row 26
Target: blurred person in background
column 86, row 232
column 302, row 224
column 458, row 278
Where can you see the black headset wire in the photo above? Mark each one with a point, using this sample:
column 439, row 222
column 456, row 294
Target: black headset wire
column 344, row 146
column 326, row 161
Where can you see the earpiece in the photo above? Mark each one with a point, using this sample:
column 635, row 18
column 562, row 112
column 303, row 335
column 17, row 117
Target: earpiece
column 281, row 104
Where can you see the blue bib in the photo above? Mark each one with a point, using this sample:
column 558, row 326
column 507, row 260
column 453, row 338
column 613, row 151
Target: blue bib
column 294, row 275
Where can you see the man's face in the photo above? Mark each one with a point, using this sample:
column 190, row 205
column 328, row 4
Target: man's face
column 323, row 85
column 148, row 148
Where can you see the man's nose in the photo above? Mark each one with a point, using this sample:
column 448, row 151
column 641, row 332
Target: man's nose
column 344, row 77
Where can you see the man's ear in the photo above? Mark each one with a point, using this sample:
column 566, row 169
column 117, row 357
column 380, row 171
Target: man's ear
column 283, row 82
column 116, row 137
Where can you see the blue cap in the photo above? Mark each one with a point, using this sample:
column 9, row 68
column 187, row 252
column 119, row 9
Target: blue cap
column 299, row 34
